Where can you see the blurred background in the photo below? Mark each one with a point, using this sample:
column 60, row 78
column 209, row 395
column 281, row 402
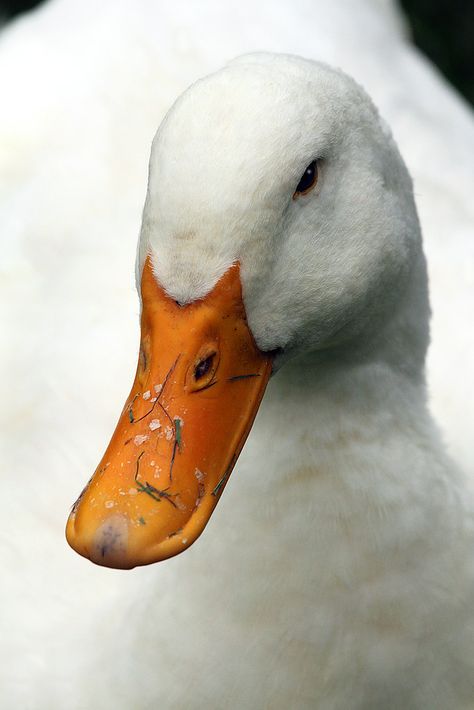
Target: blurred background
column 442, row 29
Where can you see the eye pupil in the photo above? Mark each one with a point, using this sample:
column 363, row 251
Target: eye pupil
column 203, row 367
column 308, row 179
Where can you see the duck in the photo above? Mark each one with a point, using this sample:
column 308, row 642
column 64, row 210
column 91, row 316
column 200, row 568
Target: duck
column 322, row 579
column 300, row 255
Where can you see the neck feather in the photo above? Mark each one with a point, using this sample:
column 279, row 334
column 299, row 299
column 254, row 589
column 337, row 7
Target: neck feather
column 355, row 449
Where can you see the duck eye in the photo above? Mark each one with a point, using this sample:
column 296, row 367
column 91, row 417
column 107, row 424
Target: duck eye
column 308, row 180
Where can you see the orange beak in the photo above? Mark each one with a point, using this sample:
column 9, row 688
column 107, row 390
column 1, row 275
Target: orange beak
column 199, row 382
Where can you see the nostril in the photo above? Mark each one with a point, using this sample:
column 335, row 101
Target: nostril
column 201, row 373
column 204, row 366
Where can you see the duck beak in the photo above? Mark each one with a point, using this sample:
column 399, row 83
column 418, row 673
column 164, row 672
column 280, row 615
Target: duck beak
column 199, row 382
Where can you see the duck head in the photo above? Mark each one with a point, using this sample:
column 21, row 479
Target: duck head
column 279, row 220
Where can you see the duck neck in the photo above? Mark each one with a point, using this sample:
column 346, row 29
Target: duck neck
column 356, row 416
column 355, row 446
column 350, row 407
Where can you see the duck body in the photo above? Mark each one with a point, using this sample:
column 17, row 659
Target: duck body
column 364, row 602
column 372, row 551
column 337, row 571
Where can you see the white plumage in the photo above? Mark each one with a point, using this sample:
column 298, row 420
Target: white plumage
column 305, row 591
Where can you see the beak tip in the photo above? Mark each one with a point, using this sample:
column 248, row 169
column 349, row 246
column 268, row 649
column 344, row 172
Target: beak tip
column 114, row 543
column 110, row 541
column 107, row 546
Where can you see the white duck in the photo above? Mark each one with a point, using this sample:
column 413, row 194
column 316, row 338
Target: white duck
column 336, row 546
column 349, row 511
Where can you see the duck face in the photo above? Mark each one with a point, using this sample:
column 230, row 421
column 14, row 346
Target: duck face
column 319, row 266
column 278, row 219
